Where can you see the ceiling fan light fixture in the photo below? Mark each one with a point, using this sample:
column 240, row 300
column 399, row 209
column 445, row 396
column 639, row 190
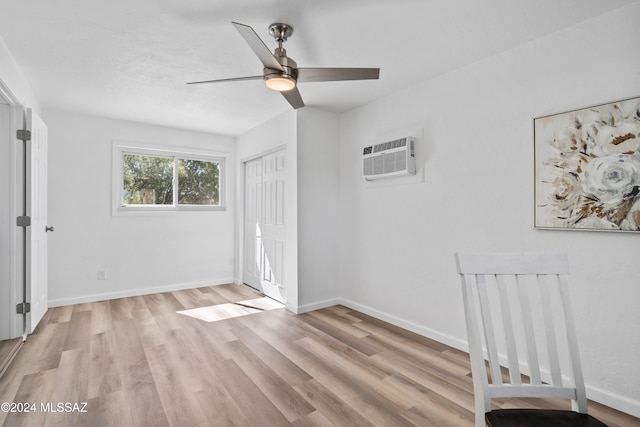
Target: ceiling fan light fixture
column 280, row 82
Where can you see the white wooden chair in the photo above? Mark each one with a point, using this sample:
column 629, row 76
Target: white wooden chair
column 519, row 317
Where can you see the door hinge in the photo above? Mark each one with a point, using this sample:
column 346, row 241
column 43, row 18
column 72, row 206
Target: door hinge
column 24, row 135
column 23, row 307
column 24, row 221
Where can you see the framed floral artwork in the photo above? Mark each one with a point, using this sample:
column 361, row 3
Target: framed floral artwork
column 587, row 168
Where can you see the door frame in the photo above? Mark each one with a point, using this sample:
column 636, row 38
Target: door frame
column 17, row 266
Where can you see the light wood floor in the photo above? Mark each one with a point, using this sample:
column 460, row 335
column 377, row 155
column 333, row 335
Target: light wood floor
column 136, row 362
column 8, row 349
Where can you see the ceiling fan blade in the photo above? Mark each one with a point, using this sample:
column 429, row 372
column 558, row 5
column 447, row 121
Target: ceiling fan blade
column 293, row 97
column 258, row 46
column 337, row 74
column 234, row 79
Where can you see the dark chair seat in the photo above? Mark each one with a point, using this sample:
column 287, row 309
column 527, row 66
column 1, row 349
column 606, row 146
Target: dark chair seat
column 540, row 418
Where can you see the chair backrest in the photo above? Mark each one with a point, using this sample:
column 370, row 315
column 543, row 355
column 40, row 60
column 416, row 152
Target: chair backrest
column 519, row 317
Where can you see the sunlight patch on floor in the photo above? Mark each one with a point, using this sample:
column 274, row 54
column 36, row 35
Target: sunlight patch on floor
column 229, row 310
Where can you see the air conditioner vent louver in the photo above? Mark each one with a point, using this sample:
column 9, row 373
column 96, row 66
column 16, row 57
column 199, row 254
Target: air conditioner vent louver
column 391, row 158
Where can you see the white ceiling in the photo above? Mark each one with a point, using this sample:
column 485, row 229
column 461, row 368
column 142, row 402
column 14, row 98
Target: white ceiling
column 130, row 59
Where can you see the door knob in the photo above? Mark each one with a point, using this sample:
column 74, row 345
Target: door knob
column 48, row 228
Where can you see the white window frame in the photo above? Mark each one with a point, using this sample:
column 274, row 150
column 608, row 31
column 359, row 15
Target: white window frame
column 120, row 148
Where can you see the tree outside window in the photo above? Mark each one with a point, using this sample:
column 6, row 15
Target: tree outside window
column 150, row 180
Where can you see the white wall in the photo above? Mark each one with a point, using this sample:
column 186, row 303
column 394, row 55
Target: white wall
column 13, row 79
column 398, row 241
column 318, row 198
column 275, row 133
column 142, row 254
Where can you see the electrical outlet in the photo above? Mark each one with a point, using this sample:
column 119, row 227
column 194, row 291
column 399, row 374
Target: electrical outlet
column 102, row 274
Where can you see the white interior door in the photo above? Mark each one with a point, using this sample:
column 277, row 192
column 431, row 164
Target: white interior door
column 252, row 223
column 264, row 228
column 37, row 258
column 273, row 226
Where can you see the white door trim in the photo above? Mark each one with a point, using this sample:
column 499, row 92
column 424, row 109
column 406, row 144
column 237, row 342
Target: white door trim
column 16, row 195
column 263, row 153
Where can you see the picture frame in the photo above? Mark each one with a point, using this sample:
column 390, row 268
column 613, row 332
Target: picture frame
column 587, row 168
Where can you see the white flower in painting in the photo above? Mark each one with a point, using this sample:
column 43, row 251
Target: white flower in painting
column 566, row 191
column 610, row 179
column 624, row 138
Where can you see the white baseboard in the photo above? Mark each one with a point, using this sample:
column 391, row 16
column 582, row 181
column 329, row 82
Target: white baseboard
column 316, row 305
column 405, row 324
column 135, row 292
column 613, row 400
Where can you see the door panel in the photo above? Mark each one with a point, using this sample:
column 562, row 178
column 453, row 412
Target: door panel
column 37, row 255
column 252, row 214
column 273, row 228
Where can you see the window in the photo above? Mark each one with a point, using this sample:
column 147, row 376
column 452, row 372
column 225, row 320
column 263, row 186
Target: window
column 152, row 179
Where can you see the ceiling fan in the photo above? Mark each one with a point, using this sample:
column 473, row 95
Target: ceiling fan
column 282, row 74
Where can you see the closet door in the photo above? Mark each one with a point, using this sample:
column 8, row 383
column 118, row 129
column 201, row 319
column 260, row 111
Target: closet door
column 264, row 225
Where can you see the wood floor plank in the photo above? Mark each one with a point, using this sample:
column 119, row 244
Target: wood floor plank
column 138, row 406
column 173, row 391
column 314, row 419
column 246, row 395
column 105, row 376
column 233, row 293
column 137, row 362
column 120, row 308
column 73, row 364
column 45, row 348
column 331, row 406
column 338, row 333
column 344, row 324
column 278, row 391
column 398, row 331
column 220, row 408
column 279, row 363
column 191, row 298
column 79, row 332
column 100, row 317
column 61, row 314
column 413, row 347
column 351, row 387
column 163, row 307
column 130, row 358
column 331, row 347
column 428, row 404
column 34, row 389
column 150, row 333
column 358, row 371
column 449, row 388
column 8, row 349
column 428, row 360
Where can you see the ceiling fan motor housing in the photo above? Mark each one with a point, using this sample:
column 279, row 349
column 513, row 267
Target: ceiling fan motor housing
column 290, row 73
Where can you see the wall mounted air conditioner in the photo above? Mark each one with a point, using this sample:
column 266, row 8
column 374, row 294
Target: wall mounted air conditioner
column 387, row 159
